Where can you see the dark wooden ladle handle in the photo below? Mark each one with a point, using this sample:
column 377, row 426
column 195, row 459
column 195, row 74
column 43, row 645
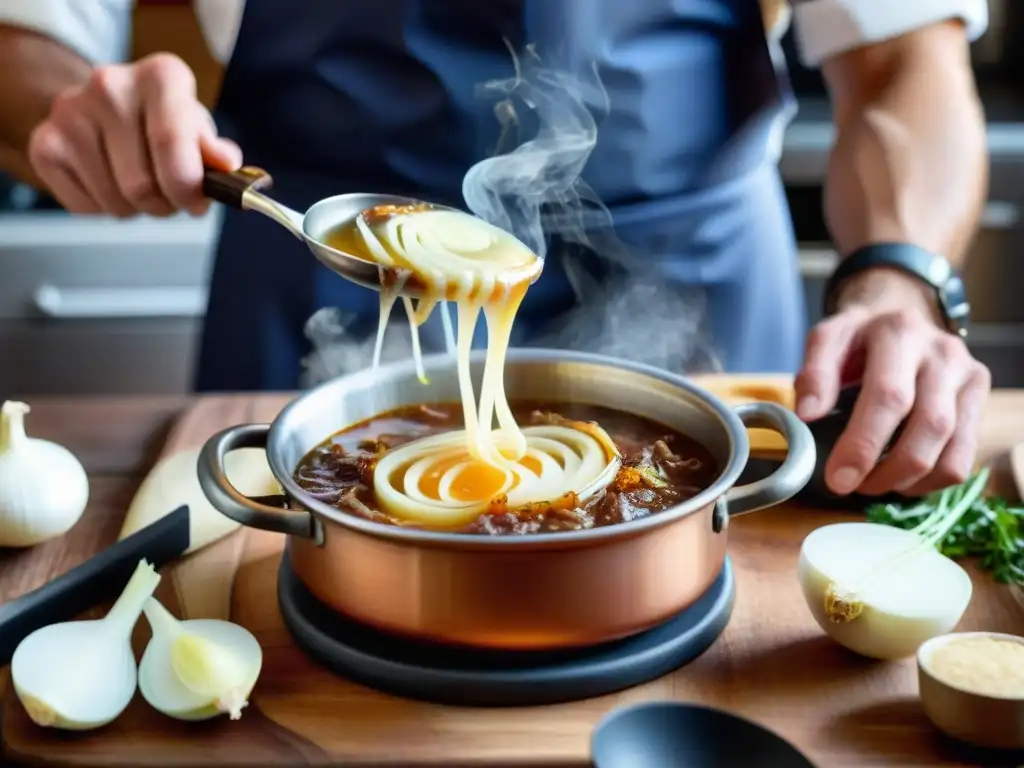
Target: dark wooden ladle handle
column 229, row 187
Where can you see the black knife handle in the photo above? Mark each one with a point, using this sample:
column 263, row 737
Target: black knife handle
column 829, row 428
column 826, row 432
column 98, row 579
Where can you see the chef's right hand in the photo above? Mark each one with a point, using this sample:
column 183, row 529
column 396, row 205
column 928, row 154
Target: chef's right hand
column 134, row 139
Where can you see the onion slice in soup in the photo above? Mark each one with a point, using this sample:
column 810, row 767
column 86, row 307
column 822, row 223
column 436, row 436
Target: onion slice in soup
column 436, row 482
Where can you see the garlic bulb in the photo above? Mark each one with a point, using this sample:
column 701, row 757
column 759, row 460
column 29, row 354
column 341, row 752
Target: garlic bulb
column 43, row 487
column 78, row 675
column 199, row 668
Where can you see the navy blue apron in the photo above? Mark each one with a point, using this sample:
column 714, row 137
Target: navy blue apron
column 381, row 95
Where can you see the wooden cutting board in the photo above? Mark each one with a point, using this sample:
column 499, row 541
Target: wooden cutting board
column 738, row 389
column 772, row 664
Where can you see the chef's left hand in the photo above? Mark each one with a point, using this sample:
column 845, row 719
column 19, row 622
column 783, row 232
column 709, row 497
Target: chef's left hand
column 887, row 333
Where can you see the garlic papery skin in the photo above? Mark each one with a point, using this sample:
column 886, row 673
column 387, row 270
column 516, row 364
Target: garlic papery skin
column 197, row 669
column 878, row 591
column 79, row 675
column 43, row 487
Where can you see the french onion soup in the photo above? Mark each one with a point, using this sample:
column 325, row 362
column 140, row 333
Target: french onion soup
column 448, row 467
column 657, row 468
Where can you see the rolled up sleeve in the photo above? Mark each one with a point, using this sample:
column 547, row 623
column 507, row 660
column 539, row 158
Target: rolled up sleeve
column 98, row 30
column 825, row 28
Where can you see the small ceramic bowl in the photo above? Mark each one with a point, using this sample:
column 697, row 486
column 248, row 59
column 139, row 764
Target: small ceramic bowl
column 986, row 721
column 674, row 734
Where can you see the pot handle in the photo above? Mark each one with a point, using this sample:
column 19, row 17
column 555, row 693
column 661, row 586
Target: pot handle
column 229, row 501
column 794, row 472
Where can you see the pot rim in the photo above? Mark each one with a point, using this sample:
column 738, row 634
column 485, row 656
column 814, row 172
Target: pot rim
column 736, row 434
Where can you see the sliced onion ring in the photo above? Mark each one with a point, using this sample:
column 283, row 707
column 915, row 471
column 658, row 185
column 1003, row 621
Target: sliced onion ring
column 570, row 460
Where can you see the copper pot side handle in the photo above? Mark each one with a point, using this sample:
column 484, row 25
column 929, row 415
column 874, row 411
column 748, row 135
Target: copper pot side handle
column 229, row 501
column 794, row 472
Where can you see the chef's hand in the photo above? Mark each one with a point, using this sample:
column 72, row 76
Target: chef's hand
column 887, row 334
column 132, row 140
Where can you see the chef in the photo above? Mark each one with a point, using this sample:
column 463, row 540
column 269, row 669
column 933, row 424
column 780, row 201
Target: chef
column 380, row 95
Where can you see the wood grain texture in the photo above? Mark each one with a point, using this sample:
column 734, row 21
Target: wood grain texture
column 201, row 582
column 110, row 435
column 745, row 389
column 772, row 664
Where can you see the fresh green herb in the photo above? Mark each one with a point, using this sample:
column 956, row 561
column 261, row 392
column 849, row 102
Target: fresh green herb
column 989, row 529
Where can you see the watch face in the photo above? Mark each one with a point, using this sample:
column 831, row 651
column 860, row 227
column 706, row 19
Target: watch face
column 939, row 272
column 954, row 290
column 955, row 307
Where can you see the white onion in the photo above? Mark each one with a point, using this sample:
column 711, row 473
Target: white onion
column 880, row 591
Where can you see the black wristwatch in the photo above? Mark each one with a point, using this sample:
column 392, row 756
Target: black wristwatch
column 930, row 268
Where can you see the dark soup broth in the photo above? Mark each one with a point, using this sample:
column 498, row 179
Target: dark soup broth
column 660, row 468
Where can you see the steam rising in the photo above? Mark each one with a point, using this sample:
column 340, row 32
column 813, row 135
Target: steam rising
column 336, row 351
column 534, row 189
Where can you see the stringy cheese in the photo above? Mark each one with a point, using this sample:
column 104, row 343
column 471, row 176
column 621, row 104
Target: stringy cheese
column 449, row 479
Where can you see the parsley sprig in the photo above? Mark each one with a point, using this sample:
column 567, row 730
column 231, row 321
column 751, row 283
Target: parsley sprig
column 990, row 529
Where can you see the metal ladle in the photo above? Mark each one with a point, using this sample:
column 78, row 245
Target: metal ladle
column 242, row 189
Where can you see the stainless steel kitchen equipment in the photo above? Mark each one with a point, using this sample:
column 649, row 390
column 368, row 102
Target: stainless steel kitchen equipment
column 453, row 587
column 96, row 305
column 242, row 189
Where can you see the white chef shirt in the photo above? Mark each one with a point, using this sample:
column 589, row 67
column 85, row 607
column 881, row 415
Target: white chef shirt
column 100, row 30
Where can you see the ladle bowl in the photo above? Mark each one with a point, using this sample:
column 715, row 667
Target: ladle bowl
column 244, row 189
column 677, row 734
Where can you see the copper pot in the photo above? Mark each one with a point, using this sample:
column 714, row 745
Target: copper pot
column 541, row 591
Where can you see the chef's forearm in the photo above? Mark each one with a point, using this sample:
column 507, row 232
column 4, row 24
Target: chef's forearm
column 910, row 162
column 33, row 70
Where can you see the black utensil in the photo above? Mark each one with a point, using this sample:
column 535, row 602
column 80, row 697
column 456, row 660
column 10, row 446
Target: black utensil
column 826, row 432
column 100, row 578
column 674, row 734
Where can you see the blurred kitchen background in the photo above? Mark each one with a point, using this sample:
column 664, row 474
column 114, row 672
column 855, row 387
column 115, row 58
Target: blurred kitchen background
column 96, row 306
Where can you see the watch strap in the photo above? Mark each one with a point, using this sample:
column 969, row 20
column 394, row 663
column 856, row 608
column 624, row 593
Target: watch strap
column 929, row 268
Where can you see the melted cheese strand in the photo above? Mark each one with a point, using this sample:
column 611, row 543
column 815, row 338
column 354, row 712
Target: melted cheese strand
column 388, row 294
column 449, row 333
column 493, row 401
column 468, row 315
column 414, row 327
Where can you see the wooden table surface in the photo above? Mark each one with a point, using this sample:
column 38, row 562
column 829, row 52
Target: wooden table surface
column 117, row 439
